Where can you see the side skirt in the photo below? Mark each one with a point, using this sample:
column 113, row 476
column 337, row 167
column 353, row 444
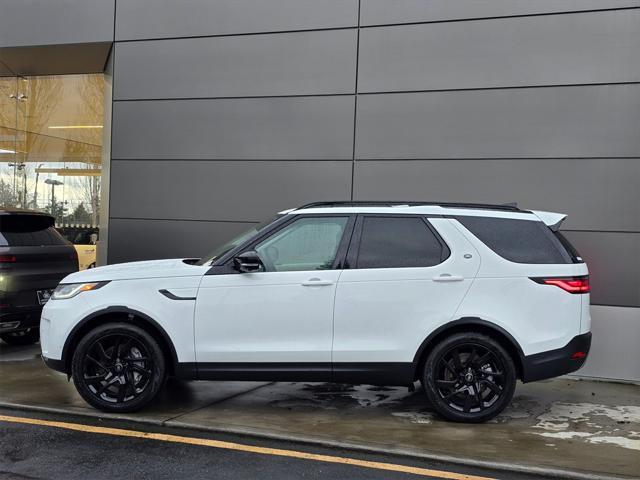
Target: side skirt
column 391, row 373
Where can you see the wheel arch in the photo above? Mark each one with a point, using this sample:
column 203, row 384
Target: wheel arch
column 474, row 324
column 128, row 315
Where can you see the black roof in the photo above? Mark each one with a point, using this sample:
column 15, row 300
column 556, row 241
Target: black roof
column 511, row 207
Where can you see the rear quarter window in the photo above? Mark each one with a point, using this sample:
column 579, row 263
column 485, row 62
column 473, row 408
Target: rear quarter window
column 519, row 241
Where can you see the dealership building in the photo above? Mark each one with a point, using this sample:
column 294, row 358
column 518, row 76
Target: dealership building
column 173, row 125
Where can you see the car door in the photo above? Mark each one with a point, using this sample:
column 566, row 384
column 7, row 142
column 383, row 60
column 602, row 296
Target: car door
column 405, row 275
column 277, row 322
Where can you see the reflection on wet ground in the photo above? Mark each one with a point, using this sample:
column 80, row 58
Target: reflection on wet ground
column 562, row 423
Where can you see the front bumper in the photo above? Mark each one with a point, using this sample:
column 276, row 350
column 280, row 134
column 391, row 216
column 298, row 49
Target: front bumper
column 54, row 364
column 554, row 363
column 13, row 319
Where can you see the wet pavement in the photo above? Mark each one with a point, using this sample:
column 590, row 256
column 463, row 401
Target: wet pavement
column 566, row 424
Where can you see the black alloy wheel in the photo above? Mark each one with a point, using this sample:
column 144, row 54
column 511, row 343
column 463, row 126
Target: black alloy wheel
column 118, row 367
column 469, row 377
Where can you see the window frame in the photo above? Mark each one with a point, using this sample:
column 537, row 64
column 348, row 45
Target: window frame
column 353, row 252
column 224, row 265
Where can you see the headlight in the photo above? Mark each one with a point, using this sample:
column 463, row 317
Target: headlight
column 70, row 290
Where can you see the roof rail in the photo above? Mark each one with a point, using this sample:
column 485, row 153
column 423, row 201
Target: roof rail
column 511, row 207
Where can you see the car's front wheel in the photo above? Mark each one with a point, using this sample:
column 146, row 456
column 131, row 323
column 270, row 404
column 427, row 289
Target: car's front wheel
column 469, row 377
column 118, row 367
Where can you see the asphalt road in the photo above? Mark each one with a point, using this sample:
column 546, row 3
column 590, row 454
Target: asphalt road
column 104, row 450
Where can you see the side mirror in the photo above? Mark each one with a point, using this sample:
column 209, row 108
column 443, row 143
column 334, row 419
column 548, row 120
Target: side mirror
column 248, row 262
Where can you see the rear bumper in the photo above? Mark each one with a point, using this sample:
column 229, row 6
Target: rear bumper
column 14, row 319
column 554, row 363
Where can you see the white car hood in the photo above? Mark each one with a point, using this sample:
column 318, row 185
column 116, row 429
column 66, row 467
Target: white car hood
column 136, row 270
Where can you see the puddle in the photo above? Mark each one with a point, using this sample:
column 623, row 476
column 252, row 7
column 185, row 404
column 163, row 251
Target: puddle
column 338, row 395
column 422, row 418
column 592, row 423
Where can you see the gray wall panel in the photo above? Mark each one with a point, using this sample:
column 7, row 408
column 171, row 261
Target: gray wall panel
column 586, row 121
column 277, row 128
column 49, row 22
column 613, row 266
column 301, row 63
column 541, row 50
column 614, row 350
column 142, row 19
column 375, row 12
column 597, row 194
column 151, row 239
column 218, row 190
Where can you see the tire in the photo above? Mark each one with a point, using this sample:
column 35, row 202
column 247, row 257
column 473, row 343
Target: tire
column 118, row 367
column 23, row 337
column 474, row 388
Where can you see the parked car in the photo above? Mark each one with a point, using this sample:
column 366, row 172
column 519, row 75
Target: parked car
column 84, row 240
column 464, row 298
column 34, row 257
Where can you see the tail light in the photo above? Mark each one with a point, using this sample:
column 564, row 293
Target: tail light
column 7, row 258
column 568, row 284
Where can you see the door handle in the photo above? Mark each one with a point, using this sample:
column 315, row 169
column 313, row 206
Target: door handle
column 447, row 277
column 316, row 282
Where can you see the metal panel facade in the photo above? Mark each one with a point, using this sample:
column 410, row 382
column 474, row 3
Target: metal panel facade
column 248, row 128
column 145, row 19
column 51, row 22
column 224, row 190
column 226, row 110
column 598, row 47
column 300, row 63
column 383, row 12
column 549, row 122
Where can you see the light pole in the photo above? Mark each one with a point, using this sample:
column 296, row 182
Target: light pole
column 53, row 184
column 35, row 190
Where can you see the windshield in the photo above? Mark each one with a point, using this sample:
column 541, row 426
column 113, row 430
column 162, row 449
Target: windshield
column 231, row 244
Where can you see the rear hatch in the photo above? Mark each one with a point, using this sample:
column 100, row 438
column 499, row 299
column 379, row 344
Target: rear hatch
column 34, row 257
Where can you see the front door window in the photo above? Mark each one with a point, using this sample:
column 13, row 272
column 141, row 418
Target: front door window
column 309, row 243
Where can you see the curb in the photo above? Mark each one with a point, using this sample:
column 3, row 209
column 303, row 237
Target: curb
column 374, row 449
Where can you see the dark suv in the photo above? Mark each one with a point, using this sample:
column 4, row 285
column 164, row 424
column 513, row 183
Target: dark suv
column 34, row 257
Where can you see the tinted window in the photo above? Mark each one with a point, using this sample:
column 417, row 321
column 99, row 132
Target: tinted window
column 28, row 231
column 521, row 241
column 394, row 242
column 310, row 243
column 568, row 246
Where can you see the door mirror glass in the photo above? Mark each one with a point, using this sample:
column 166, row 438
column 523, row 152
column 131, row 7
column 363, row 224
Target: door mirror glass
column 248, row 262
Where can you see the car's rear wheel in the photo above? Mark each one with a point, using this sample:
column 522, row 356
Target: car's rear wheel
column 23, row 337
column 118, row 367
column 469, row 377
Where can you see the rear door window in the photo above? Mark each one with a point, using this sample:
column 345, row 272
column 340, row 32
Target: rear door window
column 520, row 241
column 397, row 242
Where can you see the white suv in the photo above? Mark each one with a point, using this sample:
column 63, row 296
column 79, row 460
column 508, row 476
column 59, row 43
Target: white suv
column 466, row 298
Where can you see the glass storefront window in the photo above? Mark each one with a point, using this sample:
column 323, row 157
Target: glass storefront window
column 51, row 131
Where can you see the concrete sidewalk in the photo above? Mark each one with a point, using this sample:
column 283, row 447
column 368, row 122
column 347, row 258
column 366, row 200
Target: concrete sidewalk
column 566, row 425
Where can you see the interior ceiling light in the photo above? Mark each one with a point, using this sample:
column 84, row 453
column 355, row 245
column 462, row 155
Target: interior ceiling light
column 2, row 150
column 64, row 127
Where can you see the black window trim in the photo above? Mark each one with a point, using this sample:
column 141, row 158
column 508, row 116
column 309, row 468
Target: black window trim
column 351, row 260
column 224, row 264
